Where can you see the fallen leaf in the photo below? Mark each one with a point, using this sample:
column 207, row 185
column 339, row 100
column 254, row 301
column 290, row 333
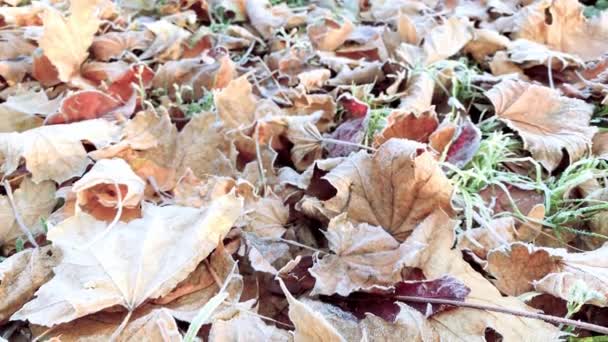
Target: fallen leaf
column 567, row 28
column 106, row 181
column 55, row 152
column 32, row 203
column 33, row 102
column 546, row 121
column 155, row 325
column 385, row 302
column 367, row 188
column 246, row 327
column 327, row 34
column 145, row 258
column 84, row 105
column 438, row 259
column 404, row 125
column 22, row 274
column 364, row 256
column 66, row 41
column 520, row 268
column 236, row 103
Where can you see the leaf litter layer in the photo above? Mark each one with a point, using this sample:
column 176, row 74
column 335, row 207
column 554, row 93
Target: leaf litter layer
column 271, row 170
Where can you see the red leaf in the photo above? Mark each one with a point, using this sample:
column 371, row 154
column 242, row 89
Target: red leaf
column 350, row 131
column 353, row 107
column 122, row 87
column 466, row 144
column 383, row 303
column 83, row 105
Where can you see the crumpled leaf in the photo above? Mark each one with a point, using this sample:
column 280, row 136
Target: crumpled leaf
column 55, row 152
column 546, row 121
column 32, row 202
column 22, row 274
column 395, row 188
column 145, row 258
column 148, row 145
column 520, row 268
column 196, row 73
column 66, row 41
column 106, row 180
column 365, row 256
column 167, row 41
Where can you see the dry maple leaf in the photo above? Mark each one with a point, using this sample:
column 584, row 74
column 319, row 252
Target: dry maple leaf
column 520, row 268
column 32, row 202
column 22, row 274
column 55, row 152
column 546, row 121
column 395, row 188
column 151, row 325
column 66, row 41
column 236, row 103
column 365, row 256
column 145, row 258
column 568, row 30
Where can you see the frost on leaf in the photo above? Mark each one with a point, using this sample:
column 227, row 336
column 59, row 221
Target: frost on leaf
column 395, row 188
column 546, row 121
column 145, row 258
column 66, row 41
column 55, row 152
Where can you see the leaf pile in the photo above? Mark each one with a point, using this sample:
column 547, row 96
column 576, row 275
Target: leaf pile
column 266, row 170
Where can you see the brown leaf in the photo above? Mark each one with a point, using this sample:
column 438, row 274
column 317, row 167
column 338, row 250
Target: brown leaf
column 236, row 103
column 562, row 26
column 106, row 181
column 546, row 121
column 66, row 41
column 327, row 34
column 365, row 256
column 439, row 259
column 404, row 125
column 130, row 263
column 32, row 202
column 149, row 325
column 55, row 152
column 395, row 188
column 114, row 44
column 195, row 73
column 520, row 268
column 22, row 274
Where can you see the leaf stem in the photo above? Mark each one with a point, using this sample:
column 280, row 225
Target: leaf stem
column 533, row 315
column 18, row 218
